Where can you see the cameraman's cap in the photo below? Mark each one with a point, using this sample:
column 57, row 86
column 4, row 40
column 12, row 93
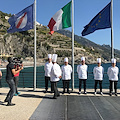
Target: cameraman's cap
column 66, row 59
column 49, row 56
column 98, row 60
column 54, row 57
column 82, row 58
column 113, row 60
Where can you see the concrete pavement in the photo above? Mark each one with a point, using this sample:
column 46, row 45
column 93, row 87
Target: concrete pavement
column 28, row 101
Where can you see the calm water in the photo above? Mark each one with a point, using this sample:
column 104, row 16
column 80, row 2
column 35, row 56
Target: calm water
column 26, row 77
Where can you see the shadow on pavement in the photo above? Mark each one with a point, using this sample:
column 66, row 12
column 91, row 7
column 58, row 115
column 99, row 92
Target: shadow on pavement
column 3, row 93
column 35, row 96
column 31, row 91
column 2, row 103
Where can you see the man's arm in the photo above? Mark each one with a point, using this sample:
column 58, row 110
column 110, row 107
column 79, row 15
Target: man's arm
column 57, row 72
column 0, row 74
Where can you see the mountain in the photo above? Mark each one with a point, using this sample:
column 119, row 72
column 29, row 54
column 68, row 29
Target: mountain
column 103, row 50
column 21, row 44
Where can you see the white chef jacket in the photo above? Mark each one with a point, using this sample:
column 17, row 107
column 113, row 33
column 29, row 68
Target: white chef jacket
column 55, row 72
column 113, row 73
column 98, row 73
column 82, row 71
column 47, row 68
column 66, row 72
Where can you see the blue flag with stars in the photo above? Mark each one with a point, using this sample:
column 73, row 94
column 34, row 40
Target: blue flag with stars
column 100, row 21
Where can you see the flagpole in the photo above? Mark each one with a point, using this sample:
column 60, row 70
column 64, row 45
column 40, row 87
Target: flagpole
column 73, row 44
column 34, row 45
column 112, row 49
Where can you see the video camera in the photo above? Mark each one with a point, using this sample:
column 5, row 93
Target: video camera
column 17, row 62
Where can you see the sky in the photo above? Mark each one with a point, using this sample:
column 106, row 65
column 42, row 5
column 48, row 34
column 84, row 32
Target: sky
column 84, row 11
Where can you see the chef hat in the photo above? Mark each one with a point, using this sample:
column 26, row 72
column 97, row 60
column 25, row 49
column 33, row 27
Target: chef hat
column 54, row 57
column 49, row 56
column 66, row 59
column 98, row 60
column 82, row 58
column 113, row 60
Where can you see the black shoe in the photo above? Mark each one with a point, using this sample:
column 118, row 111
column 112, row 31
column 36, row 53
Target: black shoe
column 115, row 94
column 54, row 97
column 58, row 95
column 110, row 94
column 45, row 91
column 68, row 92
column 10, row 104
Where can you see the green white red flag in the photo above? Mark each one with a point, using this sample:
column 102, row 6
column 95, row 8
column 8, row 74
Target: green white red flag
column 61, row 19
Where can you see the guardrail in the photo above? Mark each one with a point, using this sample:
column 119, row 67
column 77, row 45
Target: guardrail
column 26, row 80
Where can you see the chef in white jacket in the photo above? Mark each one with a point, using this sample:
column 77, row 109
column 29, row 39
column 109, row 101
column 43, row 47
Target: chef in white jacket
column 82, row 74
column 98, row 72
column 66, row 75
column 113, row 72
column 47, row 69
column 55, row 75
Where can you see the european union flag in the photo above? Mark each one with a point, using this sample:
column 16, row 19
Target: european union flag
column 22, row 21
column 100, row 21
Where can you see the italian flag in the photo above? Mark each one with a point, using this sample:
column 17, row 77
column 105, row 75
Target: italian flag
column 61, row 19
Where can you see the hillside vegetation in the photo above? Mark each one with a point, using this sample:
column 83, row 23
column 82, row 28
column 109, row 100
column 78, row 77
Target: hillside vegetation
column 21, row 44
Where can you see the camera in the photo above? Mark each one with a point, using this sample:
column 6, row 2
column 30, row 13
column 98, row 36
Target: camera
column 17, row 62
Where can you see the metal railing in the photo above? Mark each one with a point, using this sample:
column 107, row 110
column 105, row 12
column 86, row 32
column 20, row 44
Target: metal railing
column 26, row 80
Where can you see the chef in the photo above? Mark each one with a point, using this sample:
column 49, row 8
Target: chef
column 55, row 75
column 113, row 72
column 82, row 74
column 66, row 75
column 47, row 69
column 98, row 75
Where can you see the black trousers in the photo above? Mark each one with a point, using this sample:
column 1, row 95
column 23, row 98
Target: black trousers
column 52, row 87
column 115, row 85
column 80, row 84
column 11, row 91
column 100, row 85
column 56, row 92
column 66, row 83
column 47, row 79
column 16, row 80
column 46, row 82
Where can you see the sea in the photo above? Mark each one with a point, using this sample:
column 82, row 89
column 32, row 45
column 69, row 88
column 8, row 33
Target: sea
column 26, row 79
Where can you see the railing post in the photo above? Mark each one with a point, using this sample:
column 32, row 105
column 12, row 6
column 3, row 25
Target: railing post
column 23, row 80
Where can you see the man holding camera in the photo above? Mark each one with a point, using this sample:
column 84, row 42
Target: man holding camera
column 10, row 72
